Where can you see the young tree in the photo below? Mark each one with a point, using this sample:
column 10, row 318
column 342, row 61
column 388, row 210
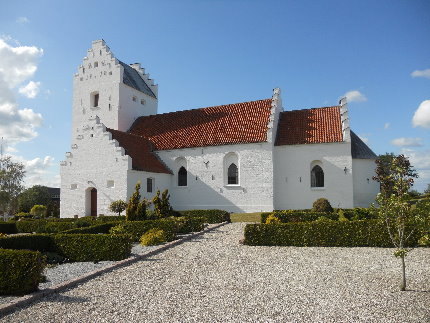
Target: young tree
column 141, row 209
column 38, row 210
column 162, row 206
column 396, row 178
column 11, row 181
column 36, row 195
column 133, row 204
column 118, row 206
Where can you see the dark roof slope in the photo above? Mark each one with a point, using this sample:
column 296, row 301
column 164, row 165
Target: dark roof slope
column 359, row 149
column 220, row 125
column 140, row 151
column 309, row 126
column 132, row 78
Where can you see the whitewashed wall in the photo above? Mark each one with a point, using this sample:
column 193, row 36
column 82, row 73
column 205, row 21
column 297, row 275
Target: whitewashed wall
column 365, row 188
column 161, row 182
column 207, row 187
column 292, row 183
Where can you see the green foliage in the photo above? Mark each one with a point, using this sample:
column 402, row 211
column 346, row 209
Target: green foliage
column 8, row 227
column 36, row 242
column 141, row 209
column 427, row 190
column 133, row 204
column 36, row 195
column 38, row 211
column 118, row 229
column 272, row 219
column 322, row 205
column 137, row 228
column 424, row 241
column 365, row 233
column 155, row 237
column 209, row 216
column 162, row 206
column 11, row 182
column 342, row 216
column 189, row 224
column 43, row 226
column 93, row 229
column 20, row 271
column 118, row 206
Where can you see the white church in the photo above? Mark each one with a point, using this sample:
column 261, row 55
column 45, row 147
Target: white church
column 242, row 157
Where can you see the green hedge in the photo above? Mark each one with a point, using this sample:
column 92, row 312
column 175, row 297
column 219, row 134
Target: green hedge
column 43, row 226
column 74, row 247
column 191, row 224
column 364, row 233
column 20, row 271
column 210, row 216
column 137, row 228
column 8, row 227
column 98, row 228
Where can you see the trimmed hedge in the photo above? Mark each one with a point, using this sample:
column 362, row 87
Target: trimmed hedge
column 364, row 233
column 20, row 271
column 74, row 247
column 43, row 226
column 137, row 228
column 209, row 216
column 98, row 228
column 8, row 227
column 187, row 225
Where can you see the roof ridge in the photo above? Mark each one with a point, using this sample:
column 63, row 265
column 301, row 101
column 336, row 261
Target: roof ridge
column 333, row 106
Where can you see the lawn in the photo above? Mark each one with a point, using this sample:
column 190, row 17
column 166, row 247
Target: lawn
column 246, row 217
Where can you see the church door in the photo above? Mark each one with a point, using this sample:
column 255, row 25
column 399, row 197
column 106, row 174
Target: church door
column 93, row 202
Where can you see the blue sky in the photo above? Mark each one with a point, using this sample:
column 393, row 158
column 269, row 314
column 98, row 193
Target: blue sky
column 205, row 53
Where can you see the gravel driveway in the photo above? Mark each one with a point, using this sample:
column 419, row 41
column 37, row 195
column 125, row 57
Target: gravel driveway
column 215, row 279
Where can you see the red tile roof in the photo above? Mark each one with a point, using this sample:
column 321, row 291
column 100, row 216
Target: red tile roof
column 220, row 125
column 140, row 151
column 309, row 126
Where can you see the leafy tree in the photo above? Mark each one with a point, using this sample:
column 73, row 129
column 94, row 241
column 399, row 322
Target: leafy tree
column 36, row 195
column 11, row 181
column 162, row 206
column 396, row 178
column 38, row 210
column 427, row 190
column 118, row 206
column 133, row 204
column 4, row 201
column 414, row 194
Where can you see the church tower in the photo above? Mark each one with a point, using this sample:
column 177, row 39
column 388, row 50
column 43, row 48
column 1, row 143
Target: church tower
column 115, row 92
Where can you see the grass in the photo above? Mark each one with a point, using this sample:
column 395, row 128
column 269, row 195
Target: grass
column 246, row 217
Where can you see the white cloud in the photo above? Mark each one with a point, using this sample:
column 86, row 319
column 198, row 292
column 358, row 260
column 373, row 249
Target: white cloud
column 38, row 171
column 421, row 116
column 355, row 96
column 386, row 125
column 17, row 65
column 22, row 20
column 30, row 90
column 421, row 73
column 407, row 142
column 420, row 160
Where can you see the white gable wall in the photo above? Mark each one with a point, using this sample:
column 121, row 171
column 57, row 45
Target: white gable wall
column 365, row 188
column 207, row 186
column 161, row 182
column 292, row 182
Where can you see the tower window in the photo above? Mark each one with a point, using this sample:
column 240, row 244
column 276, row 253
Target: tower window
column 95, row 99
column 233, row 175
column 96, row 64
column 182, row 176
column 134, row 99
column 317, row 176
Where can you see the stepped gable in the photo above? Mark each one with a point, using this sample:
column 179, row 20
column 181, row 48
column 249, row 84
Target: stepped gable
column 133, row 79
column 140, row 151
column 237, row 123
column 359, row 149
column 309, row 126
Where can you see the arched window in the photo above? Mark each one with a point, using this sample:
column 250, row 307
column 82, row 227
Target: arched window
column 317, row 176
column 233, row 174
column 182, row 176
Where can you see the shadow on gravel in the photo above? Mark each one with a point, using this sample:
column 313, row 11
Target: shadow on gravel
column 418, row 291
column 59, row 298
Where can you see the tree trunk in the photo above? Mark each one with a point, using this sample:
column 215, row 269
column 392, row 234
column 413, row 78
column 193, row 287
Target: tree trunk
column 403, row 285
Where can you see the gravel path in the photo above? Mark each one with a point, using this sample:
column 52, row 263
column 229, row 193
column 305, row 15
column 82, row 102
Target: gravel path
column 214, row 279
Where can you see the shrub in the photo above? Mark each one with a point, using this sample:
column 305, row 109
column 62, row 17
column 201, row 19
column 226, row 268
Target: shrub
column 22, row 215
column 162, row 206
column 141, row 209
column 365, row 233
column 271, row 219
column 155, row 237
column 287, row 216
column 43, row 226
column 137, row 228
column 424, row 241
column 8, row 227
column 209, row 216
column 37, row 242
column 94, row 229
column 92, row 247
column 20, row 271
column 118, row 206
column 187, row 225
column 38, row 210
column 133, row 204
column 342, row 216
column 322, row 205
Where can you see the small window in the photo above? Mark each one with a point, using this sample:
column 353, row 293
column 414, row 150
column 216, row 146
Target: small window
column 110, row 184
column 110, row 108
column 134, row 99
column 96, row 64
column 142, row 102
column 182, row 176
column 233, row 175
column 317, row 177
column 149, row 185
column 74, row 186
column 95, row 99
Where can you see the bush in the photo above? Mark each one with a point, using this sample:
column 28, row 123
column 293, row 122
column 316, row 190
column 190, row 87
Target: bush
column 38, row 210
column 209, row 216
column 365, row 233
column 287, row 216
column 20, row 271
column 137, row 228
column 43, row 226
column 94, row 229
column 8, row 227
column 92, row 247
column 322, row 205
column 133, row 204
column 36, row 242
column 187, row 225
column 155, row 237
column 162, row 206
column 271, row 219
